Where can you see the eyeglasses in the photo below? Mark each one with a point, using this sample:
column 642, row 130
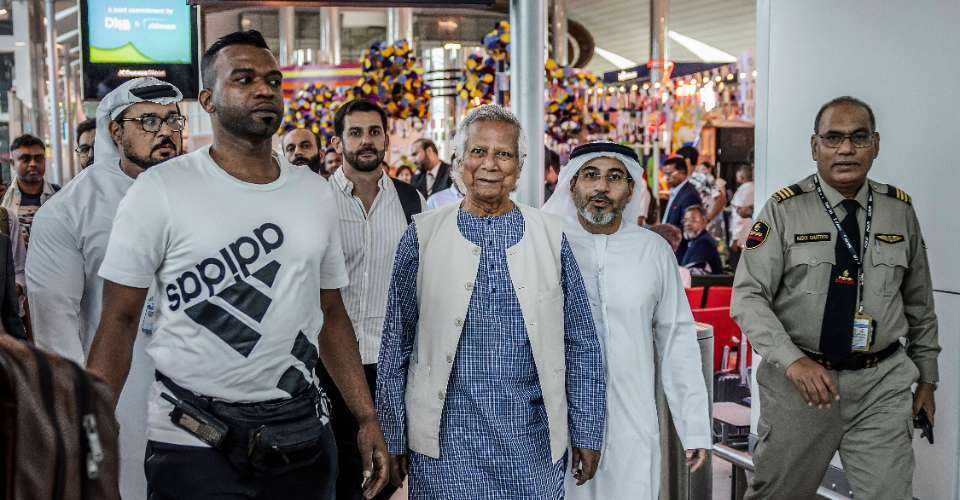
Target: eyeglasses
column 152, row 123
column 501, row 157
column 83, row 149
column 27, row 158
column 612, row 178
column 835, row 140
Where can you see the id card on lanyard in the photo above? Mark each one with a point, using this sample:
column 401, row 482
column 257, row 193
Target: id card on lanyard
column 863, row 324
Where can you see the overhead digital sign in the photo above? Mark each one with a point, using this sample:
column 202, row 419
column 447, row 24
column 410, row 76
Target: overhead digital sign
column 124, row 39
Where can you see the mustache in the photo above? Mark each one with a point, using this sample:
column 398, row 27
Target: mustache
column 301, row 160
column 601, row 197
column 165, row 142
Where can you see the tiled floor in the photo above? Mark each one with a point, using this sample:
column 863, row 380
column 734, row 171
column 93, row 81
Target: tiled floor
column 721, row 482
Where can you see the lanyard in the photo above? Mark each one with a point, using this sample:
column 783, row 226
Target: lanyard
column 846, row 239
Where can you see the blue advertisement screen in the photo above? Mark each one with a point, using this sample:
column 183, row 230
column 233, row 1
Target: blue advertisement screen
column 139, row 32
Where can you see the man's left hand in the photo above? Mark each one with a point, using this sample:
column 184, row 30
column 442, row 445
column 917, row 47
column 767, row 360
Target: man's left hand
column 696, row 458
column 373, row 451
column 584, row 463
column 924, row 399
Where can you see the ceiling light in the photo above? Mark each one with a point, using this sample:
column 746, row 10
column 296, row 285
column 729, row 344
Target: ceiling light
column 707, row 53
column 452, row 46
column 615, row 59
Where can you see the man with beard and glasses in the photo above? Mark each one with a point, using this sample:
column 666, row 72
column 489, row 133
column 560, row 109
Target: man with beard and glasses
column 245, row 251
column 86, row 135
column 374, row 212
column 698, row 250
column 302, row 148
column 641, row 314
column 29, row 190
column 140, row 126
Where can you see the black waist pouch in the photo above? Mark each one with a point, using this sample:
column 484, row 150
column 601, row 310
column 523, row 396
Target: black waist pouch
column 273, row 438
column 267, row 438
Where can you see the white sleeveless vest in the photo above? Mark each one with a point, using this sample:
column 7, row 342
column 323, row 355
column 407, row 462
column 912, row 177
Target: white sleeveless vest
column 445, row 279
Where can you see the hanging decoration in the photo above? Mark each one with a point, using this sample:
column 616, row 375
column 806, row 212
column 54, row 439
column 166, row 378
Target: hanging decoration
column 567, row 115
column 312, row 108
column 497, row 43
column 478, row 83
column 393, row 77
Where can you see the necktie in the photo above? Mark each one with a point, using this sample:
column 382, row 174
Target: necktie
column 836, row 332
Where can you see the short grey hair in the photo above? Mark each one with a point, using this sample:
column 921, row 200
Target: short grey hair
column 488, row 113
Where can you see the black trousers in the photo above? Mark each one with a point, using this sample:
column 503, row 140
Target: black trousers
column 176, row 472
column 345, row 429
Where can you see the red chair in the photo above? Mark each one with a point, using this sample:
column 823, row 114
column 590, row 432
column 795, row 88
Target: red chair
column 719, row 296
column 726, row 332
column 695, row 297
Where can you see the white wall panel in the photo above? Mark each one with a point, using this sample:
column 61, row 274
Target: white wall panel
column 881, row 52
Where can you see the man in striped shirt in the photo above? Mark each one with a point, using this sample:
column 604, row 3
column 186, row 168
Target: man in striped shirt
column 372, row 221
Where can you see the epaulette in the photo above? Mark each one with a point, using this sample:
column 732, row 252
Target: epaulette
column 787, row 193
column 895, row 192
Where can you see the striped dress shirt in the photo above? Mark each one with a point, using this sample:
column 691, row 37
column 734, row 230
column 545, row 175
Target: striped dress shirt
column 369, row 242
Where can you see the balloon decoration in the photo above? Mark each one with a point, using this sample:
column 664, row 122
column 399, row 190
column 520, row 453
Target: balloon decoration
column 477, row 85
column 497, row 42
column 313, row 108
column 567, row 113
column 393, row 77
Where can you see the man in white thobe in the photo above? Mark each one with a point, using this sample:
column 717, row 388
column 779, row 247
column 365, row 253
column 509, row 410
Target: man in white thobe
column 641, row 312
column 69, row 238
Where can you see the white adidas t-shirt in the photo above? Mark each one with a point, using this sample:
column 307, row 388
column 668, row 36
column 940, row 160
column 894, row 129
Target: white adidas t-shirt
column 239, row 270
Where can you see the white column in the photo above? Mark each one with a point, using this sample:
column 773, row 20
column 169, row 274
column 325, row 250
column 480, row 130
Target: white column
column 288, row 27
column 68, row 100
column 527, row 30
column 659, row 9
column 334, row 23
column 558, row 24
column 53, row 94
column 400, row 24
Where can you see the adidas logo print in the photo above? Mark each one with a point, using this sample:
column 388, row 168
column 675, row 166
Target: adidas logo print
column 241, row 296
column 246, row 299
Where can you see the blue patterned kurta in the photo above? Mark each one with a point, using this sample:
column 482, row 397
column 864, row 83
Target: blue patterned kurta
column 494, row 439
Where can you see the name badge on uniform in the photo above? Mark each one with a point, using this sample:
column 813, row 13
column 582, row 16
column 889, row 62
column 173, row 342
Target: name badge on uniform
column 810, row 237
column 862, row 332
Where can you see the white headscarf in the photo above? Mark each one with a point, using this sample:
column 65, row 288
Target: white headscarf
column 119, row 99
column 561, row 202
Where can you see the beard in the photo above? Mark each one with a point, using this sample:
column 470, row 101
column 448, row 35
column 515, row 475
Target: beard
column 313, row 162
column 149, row 160
column 598, row 218
column 239, row 122
column 353, row 158
column 690, row 234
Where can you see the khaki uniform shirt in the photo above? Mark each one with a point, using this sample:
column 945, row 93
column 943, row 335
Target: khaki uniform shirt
column 782, row 280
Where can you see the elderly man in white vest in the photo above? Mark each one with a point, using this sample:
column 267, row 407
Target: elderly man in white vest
column 641, row 314
column 490, row 367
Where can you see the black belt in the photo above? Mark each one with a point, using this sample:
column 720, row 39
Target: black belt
column 856, row 361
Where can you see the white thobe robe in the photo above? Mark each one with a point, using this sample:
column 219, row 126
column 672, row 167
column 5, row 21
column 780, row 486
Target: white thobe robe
column 67, row 244
column 641, row 311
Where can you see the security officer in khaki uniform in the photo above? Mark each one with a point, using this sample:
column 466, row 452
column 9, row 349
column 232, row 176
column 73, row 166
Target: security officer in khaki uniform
column 833, row 275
